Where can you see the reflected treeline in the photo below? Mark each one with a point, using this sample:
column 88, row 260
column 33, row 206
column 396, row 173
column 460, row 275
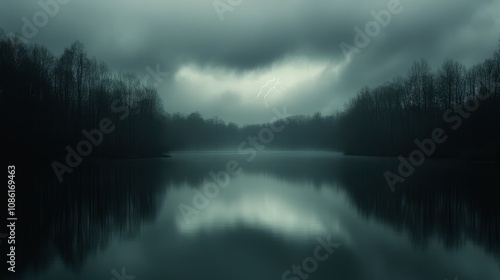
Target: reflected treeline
column 452, row 200
column 104, row 200
column 99, row 202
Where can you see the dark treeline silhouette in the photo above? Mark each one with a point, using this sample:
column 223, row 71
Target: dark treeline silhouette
column 387, row 119
column 47, row 101
column 110, row 199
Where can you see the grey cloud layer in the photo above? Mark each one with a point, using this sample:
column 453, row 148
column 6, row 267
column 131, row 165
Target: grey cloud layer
column 129, row 35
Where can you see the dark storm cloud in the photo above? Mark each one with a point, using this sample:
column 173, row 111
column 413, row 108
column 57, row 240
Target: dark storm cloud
column 258, row 35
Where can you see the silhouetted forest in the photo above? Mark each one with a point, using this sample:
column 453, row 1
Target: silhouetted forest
column 386, row 120
column 48, row 101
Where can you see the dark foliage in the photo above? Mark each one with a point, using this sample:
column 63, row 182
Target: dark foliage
column 47, row 101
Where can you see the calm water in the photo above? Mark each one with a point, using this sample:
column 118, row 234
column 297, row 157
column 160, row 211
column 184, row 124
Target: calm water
column 442, row 223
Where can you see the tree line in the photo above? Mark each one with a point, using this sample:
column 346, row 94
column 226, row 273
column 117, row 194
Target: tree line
column 50, row 103
column 387, row 119
column 193, row 132
column 47, row 101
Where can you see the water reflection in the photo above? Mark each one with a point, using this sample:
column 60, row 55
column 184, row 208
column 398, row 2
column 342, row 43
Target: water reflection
column 442, row 222
column 282, row 208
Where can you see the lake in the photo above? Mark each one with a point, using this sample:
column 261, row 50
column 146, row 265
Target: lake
column 284, row 215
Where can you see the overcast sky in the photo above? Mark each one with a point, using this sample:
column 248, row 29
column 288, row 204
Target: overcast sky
column 219, row 57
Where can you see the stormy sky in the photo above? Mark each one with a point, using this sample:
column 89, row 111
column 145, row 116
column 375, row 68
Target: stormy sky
column 220, row 54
